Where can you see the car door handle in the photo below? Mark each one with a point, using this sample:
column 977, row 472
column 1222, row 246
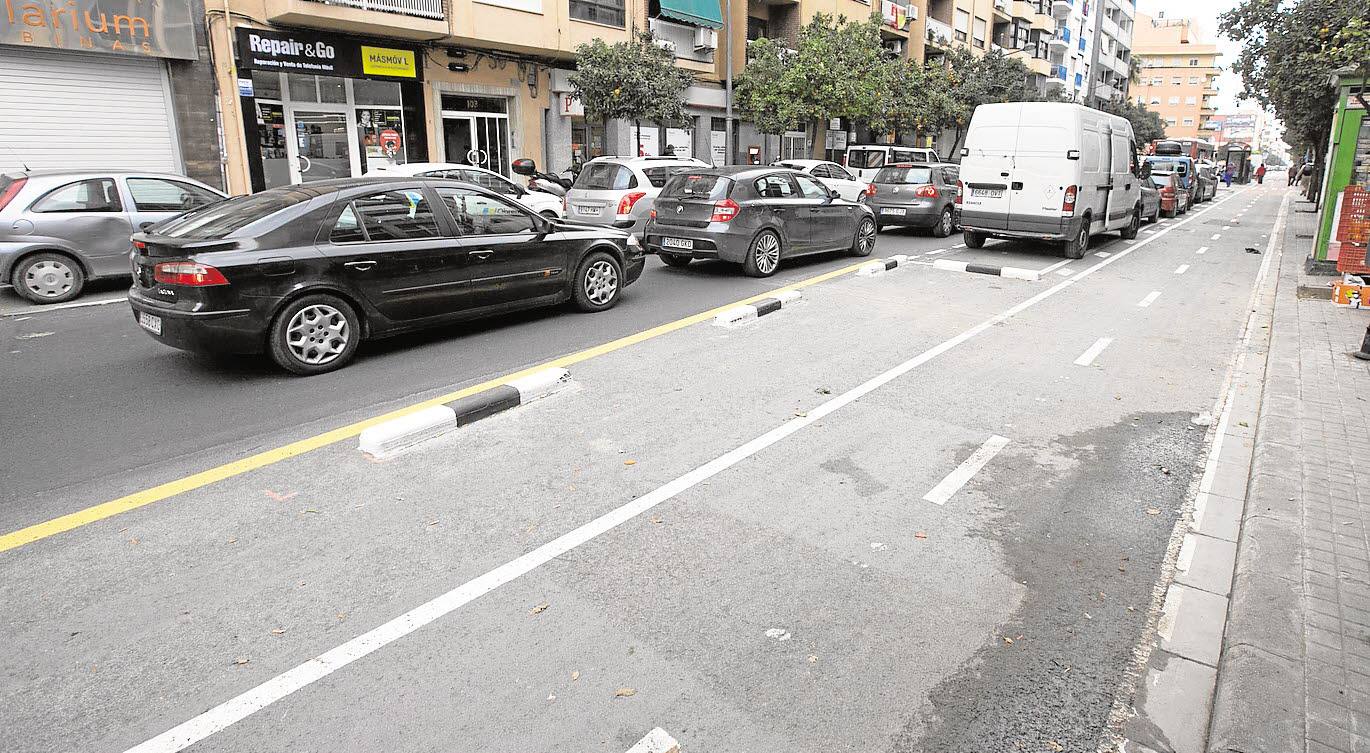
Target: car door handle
column 481, row 255
column 360, row 266
column 1003, row 175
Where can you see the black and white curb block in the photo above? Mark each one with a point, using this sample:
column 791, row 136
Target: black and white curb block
column 656, row 741
column 396, row 435
column 740, row 314
column 880, row 267
column 1014, row 273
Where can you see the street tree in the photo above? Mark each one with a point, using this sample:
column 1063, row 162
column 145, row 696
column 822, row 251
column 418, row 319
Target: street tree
column 918, row 99
column 1146, row 125
column 973, row 80
column 1289, row 51
column 836, row 69
column 633, row 80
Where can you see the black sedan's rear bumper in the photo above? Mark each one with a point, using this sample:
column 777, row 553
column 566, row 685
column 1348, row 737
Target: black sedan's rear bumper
column 230, row 331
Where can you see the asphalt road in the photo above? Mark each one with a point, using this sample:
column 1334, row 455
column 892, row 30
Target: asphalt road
column 801, row 566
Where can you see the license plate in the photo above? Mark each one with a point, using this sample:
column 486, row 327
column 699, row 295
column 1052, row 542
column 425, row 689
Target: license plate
column 993, row 193
column 892, row 210
column 684, row 243
column 587, row 210
column 150, row 323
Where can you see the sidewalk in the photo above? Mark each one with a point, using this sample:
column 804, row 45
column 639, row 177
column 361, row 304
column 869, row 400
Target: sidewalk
column 1294, row 673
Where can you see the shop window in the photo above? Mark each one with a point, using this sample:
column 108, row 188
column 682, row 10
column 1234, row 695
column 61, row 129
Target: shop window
column 607, row 12
column 396, row 215
column 94, row 195
column 367, row 91
column 332, row 90
column 481, row 214
column 158, row 195
column 266, row 85
column 302, row 88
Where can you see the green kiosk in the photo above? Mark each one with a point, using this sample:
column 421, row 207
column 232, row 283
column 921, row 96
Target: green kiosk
column 1348, row 158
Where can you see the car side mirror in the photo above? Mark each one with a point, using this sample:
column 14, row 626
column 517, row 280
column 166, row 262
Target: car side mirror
column 524, row 166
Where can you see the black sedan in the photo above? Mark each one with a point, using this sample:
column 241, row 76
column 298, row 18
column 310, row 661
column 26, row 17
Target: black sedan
column 305, row 273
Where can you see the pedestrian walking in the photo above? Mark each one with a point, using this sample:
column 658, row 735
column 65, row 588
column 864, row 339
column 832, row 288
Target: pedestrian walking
column 1260, row 174
column 1294, row 171
column 1227, row 176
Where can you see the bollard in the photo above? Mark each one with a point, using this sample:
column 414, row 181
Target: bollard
column 1364, row 353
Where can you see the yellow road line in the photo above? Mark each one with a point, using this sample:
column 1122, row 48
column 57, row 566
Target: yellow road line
column 99, row 512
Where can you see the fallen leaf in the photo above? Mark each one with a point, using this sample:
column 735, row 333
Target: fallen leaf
column 1008, row 641
column 552, row 697
column 1053, row 745
column 1087, row 616
column 625, row 692
column 920, row 535
column 575, row 675
column 656, row 520
column 539, row 609
column 813, row 658
column 233, row 540
column 311, row 510
column 801, row 413
column 432, row 523
column 630, row 462
column 133, row 541
column 1152, row 511
column 342, row 615
column 241, row 660
column 1243, row 423
column 278, row 631
column 823, row 391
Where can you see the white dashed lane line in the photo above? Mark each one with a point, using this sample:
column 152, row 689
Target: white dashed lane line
column 947, row 487
column 1086, row 358
column 1149, row 299
column 1182, row 269
column 1216, row 236
column 1201, row 249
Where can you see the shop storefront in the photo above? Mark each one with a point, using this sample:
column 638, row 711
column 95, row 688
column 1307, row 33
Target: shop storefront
column 317, row 106
column 89, row 84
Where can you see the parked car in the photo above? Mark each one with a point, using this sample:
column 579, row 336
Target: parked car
column 865, row 160
column 830, row 174
column 1208, row 180
column 1151, row 202
column 754, row 216
column 307, row 272
column 1185, row 169
column 545, row 204
column 915, row 195
column 1172, row 194
column 1054, row 171
column 619, row 191
column 60, row 229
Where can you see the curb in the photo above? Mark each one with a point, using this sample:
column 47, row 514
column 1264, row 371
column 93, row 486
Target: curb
column 873, row 268
column 739, row 314
column 656, row 741
column 1013, row 273
column 398, row 434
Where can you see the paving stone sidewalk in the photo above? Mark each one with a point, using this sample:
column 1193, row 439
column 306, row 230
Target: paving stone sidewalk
column 1294, row 672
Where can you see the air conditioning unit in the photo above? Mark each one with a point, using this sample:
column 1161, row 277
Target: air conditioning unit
column 896, row 46
column 666, row 45
column 706, row 38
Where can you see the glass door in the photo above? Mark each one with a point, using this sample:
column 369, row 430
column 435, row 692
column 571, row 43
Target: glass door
column 324, row 145
column 477, row 138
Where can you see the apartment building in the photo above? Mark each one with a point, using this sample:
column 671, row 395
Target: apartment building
column 1179, row 75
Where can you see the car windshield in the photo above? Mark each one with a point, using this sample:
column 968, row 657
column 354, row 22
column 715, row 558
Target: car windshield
column 605, row 176
column 865, row 158
column 659, row 175
column 904, row 175
column 1161, row 179
column 229, row 216
column 702, row 187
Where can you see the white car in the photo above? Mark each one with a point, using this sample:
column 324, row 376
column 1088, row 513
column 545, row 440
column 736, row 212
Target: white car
column 544, row 204
column 830, row 174
column 620, row 191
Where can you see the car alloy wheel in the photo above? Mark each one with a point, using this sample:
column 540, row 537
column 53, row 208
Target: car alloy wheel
column 601, row 282
column 865, row 238
column 946, row 224
column 767, row 253
column 49, row 278
column 317, row 334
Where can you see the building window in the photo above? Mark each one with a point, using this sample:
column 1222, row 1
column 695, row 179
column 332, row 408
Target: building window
column 757, row 28
column 962, row 30
column 1193, row 79
column 1174, row 100
column 607, row 12
column 979, row 34
column 1155, row 100
column 1191, row 100
column 1170, row 122
column 1176, row 81
column 1157, row 81
column 1194, row 62
column 1189, row 121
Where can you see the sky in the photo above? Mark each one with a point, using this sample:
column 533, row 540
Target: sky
column 1205, row 12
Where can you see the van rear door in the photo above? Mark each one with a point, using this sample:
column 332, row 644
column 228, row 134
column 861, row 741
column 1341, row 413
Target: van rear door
column 986, row 166
column 1043, row 170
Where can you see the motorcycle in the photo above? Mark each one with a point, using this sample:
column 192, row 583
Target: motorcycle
column 555, row 185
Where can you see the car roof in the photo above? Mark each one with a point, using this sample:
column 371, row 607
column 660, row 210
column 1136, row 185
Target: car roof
column 651, row 160
column 803, row 162
column 412, row 168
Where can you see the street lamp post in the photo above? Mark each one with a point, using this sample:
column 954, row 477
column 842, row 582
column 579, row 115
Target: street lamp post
column 728, row 86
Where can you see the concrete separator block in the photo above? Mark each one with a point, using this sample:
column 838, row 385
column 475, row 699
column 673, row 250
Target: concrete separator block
column 1192, row 622
column 736, row 315
column 388, row 438
column 1206, row 563
column 1218, row 516
column 1172, row 705
column 870, row 269
column 656, row 741
column 540, row 383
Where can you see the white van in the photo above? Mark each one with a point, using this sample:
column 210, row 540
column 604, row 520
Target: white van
column 1052, row 171
column 865, row 160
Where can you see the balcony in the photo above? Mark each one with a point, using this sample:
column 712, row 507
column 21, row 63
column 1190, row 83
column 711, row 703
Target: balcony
column 1061, row 41
column 1001, row 10
column 939, row 33
column 405, row 19
column 680, row 39
column 1061, row 8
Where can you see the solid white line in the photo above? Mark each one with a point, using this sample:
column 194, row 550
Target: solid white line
column 1201, row 249
column 255, row 699
column 1102, row 254
column 1181, row 269
column 959, row 245
column 1086, row 358
column 1149, row 299
column 938, row 251
column 948, row 486
column 1065, row 272
column 1055, row 266
column 62, row 307
column 1216, row 236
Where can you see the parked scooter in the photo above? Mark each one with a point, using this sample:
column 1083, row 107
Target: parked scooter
column 555, row 185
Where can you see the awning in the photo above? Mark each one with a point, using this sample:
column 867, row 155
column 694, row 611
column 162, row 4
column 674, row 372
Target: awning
column 697, row 12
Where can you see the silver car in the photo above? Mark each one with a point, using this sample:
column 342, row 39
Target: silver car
column 620, row 191
column 59, row 229
column 915, row 195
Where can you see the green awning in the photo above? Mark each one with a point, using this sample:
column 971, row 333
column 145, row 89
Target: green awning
column 697, row 12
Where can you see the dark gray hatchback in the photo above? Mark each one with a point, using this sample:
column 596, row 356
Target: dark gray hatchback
column 754, row 216
column 915, row 195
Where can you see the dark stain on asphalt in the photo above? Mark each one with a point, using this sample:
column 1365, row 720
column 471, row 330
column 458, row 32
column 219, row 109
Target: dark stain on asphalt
column 866, row 484
column 1086, row 550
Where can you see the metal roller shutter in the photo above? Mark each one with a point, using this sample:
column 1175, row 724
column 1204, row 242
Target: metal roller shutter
column 63, row 110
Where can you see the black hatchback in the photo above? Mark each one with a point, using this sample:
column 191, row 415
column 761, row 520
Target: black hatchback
column 305, row 273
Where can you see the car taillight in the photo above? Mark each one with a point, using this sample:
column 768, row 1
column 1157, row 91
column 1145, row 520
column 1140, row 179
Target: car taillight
column 140, row 247
column 625, row 204
column 11, row 191
column 566, row 203
column 1168, row 192
column 1068, row 203
column 960, row 189
column 724, row 210
column 188, row 273
column 925, row 192
column 870, row 189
